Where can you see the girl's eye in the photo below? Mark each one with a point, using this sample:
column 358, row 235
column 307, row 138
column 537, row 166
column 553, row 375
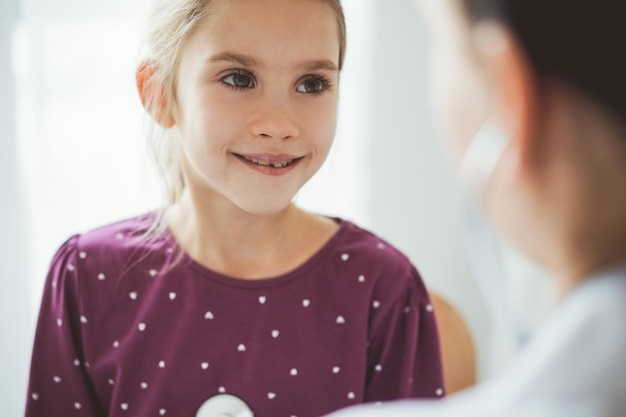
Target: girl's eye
column 240, row 80
column 313, row 85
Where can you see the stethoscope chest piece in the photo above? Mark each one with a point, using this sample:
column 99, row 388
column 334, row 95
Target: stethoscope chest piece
column 224, row 405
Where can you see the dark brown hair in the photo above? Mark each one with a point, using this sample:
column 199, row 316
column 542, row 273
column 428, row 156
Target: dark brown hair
column 575, row 41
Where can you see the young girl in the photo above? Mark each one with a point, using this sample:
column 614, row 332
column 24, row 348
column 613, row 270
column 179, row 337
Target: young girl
column 232, row 289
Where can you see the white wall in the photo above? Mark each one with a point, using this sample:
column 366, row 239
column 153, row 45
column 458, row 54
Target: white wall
column 15, row 334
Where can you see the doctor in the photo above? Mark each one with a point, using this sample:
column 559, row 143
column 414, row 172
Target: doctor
column 532, row 98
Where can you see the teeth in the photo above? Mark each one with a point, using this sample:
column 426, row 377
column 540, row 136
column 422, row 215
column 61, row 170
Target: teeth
column 260, row 162
column 273, row 164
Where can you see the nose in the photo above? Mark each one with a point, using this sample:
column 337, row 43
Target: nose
column 275, row 121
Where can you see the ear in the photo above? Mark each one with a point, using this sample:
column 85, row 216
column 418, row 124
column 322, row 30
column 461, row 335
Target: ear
column 514, row 86
column 152, row 95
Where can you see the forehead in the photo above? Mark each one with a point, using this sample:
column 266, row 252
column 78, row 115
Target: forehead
column 284, row 28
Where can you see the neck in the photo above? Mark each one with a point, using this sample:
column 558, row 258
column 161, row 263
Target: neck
column 592, row 178
column 580, row 270
column 228, row 240
column 595, row 246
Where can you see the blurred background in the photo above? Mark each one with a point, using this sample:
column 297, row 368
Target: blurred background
column 72, row 155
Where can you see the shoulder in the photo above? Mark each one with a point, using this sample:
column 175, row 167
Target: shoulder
column 376, row 261
column 362, row 247
column 357, row 239
column 121, row 234
column 113, row 247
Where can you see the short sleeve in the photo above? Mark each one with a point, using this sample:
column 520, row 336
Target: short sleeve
column 404, row 358
column 59, row 382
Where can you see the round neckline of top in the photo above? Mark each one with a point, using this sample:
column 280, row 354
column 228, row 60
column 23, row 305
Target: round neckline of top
column 269, row 282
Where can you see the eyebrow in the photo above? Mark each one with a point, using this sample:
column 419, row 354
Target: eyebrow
column 322, row 64
column 245, row 60
column 251, row 62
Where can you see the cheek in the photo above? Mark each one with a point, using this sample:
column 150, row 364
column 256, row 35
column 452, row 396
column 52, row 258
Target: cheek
column 320, row 123
column 208, row 117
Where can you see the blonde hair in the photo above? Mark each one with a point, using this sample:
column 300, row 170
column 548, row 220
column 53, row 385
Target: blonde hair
column 171, row 23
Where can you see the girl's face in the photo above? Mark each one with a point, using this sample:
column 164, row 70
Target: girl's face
column 256, row 101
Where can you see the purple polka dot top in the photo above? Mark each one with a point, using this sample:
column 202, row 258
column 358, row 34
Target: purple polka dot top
column 131, row 326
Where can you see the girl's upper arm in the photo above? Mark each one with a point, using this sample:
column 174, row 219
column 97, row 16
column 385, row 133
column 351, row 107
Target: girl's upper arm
column 404, row 358
column 59, row 382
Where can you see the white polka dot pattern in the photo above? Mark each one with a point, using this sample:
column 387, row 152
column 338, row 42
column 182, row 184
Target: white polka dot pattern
column 151, row 333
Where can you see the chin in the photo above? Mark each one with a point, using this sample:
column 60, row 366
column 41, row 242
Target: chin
column 263, row 207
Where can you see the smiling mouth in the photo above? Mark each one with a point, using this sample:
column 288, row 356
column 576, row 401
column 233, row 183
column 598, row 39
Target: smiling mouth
column 278, row 163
